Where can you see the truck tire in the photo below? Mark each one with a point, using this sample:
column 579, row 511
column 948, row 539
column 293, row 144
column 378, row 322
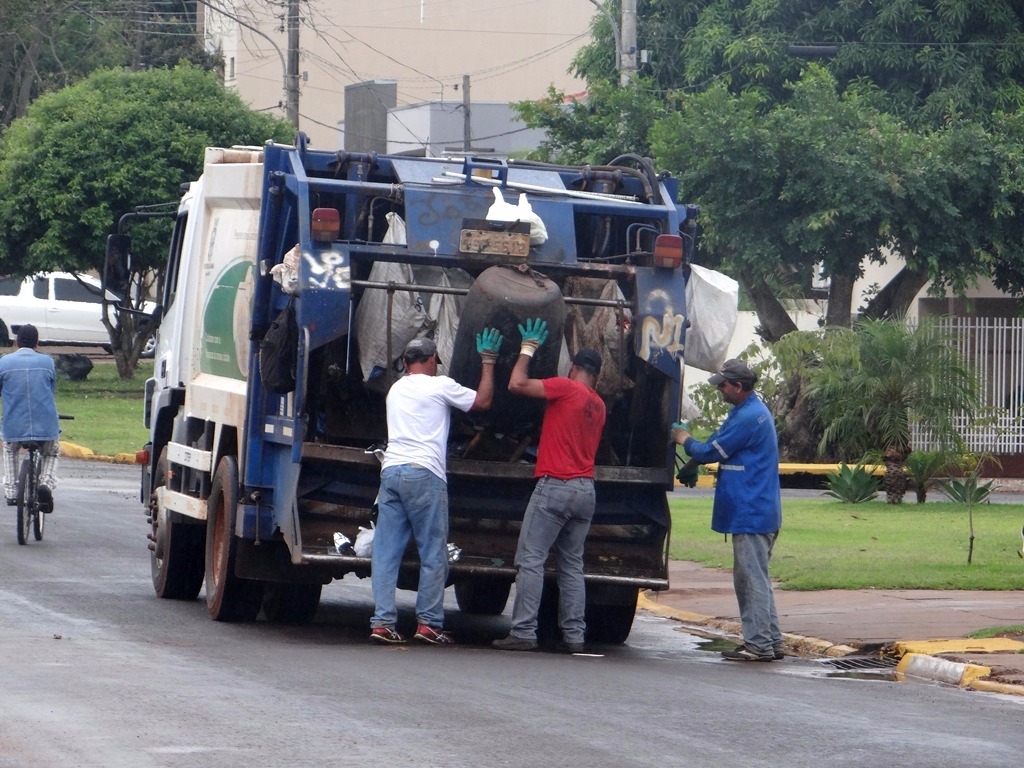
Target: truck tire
column 285, row 603
column 177, row 558
column 228, row 597
column 611, row 623
column 486, row 597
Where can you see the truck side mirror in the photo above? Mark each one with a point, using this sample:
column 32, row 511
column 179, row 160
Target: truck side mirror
column 117, row 268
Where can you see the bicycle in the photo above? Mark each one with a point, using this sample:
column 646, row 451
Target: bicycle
column 30, row 516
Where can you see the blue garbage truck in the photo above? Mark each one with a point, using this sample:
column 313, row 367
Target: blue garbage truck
column 294, row 279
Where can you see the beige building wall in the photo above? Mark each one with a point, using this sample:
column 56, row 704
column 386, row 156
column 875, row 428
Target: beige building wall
column 512, row 50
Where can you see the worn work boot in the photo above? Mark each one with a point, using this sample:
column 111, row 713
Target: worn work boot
column 513, row 643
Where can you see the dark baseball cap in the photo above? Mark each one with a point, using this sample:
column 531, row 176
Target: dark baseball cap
column 28, row 336
column 589, row 360
column 734, row 370
column 418, row 350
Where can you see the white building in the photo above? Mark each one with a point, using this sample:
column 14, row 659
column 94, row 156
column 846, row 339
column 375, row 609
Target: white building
column 509, row 51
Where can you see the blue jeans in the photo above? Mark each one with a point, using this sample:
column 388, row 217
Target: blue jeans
column 412, row 500
column 558, row 515
column 751, row 553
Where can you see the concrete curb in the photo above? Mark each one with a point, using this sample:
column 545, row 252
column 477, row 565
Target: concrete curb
column 912, row 664
column 808, row 645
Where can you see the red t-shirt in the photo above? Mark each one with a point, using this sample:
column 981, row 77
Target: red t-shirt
column 571, row 431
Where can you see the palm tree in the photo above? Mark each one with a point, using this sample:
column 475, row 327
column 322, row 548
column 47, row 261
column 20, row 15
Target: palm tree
column 892, row 374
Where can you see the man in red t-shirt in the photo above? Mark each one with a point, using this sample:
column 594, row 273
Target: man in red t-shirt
column 562, row 504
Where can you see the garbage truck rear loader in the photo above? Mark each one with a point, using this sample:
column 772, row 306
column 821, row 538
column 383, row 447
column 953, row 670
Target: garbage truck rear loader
column 294, row 280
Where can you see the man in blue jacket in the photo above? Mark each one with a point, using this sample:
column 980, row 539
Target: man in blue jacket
column 748, row 503
column 27, row 385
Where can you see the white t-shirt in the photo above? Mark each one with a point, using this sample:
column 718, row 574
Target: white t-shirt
column 419, row 414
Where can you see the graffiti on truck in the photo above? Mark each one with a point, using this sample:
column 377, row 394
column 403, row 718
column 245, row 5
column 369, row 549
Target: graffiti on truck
column 662, row 335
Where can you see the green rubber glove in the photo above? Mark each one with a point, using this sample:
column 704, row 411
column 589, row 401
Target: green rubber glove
column 487, row 344
column 687, row 475
column 534, row 334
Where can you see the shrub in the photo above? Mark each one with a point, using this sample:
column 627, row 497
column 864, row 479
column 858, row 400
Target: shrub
column 852, row 485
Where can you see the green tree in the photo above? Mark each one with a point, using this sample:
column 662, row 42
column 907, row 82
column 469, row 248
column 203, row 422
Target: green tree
column 87, row 154
column 46, row 45
column 868, row 394
column 895, row 150
column 609, row 122
column 924, row 59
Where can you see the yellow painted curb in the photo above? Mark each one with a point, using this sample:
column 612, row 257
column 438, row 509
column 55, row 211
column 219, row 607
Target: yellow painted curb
column 993, row 686
column 809, row 645
column 958, row 645
column 936, row 668
column 75, row 451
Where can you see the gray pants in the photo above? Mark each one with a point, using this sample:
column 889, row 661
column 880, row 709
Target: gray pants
column 558, row 516
column 751, row 553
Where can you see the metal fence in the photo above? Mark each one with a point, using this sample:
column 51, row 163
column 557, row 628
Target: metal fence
column 995, row 347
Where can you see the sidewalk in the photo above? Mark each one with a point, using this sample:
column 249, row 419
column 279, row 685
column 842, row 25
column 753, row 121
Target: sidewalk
column 843, row 622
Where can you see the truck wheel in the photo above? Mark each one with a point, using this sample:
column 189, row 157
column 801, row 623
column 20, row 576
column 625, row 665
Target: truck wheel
column 228, row 597
column 291, row 603
column 177, row 548
column 611, row 623
column 486, row 597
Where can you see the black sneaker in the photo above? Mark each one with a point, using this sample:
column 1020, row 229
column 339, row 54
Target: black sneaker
column 742, row 653
column 45, row 498
column 564, row 647
column 513, row 643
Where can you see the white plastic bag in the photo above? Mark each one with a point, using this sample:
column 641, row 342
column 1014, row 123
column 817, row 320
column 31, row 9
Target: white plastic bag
column 503, row 211
column 364, row 541
column 712, row 303
column 287, row 272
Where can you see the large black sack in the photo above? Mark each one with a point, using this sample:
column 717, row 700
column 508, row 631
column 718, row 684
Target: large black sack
column 279, row 352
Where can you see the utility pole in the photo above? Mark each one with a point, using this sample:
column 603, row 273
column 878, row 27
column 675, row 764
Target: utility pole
column 627, row 49
column 467, row 131
column 291, row 104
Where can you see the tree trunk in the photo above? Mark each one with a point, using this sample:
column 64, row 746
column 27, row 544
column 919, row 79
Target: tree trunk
column 774, row 319
column 799, row 434
column 840, row 301
column 895, row 480
column 895, row 298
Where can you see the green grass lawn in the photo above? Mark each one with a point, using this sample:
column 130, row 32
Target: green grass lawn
column 107, row 410
column 826, row 544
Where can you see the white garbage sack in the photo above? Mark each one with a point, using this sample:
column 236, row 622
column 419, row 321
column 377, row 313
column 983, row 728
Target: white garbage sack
column 712, row 303
column 409, row 315
column 287, row 272
column 503, row 211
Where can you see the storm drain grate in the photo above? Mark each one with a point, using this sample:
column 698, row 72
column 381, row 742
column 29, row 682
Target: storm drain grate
column 853, row 663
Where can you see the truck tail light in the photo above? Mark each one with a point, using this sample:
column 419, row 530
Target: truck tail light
column 142, row 457
column 326, row 225
column 668, row 251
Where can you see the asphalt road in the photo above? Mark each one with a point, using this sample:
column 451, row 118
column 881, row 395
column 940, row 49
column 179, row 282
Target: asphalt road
column 97, row 671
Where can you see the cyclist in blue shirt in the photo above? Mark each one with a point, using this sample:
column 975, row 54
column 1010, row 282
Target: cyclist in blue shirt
column 28, row 381
column 748, row 503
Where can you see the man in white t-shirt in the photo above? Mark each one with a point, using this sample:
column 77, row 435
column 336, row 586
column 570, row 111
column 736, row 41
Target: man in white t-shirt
column 413, row 495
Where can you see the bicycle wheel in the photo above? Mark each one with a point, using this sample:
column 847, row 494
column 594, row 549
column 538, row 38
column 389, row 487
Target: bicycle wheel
column 24, row 501
column 38, row 518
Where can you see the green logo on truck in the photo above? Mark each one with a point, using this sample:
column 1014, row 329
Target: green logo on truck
column 225, row 337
